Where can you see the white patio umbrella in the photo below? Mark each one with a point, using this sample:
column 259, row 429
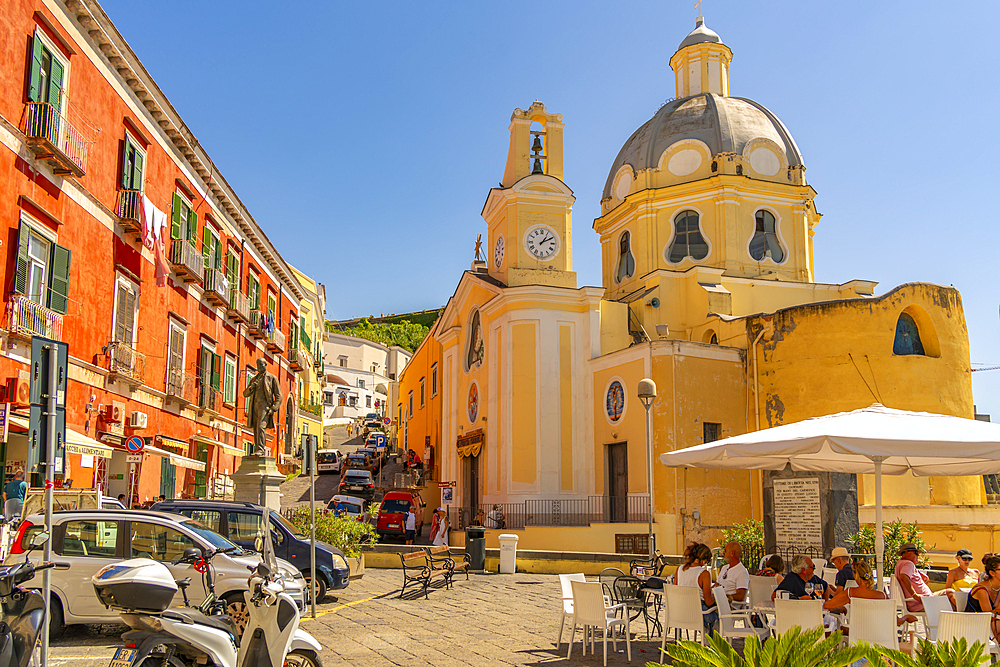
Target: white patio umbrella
column 875, row 440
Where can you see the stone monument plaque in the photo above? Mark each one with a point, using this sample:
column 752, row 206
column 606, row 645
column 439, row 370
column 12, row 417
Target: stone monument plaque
column 798, row 520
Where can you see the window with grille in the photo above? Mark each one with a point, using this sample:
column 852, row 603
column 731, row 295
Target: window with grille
column 632, row 544
column 711, row 431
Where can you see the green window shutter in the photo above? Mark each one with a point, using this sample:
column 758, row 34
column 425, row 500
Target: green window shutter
column 231, row 269
column 59, row 280
column 55, row 84
column 192, row 223
column 127, row 154
column 206, row 245
column 216, row 370
column 21, row 277
column 218, row 255
column 175, row 220
column 136, row 183
column 35, row 78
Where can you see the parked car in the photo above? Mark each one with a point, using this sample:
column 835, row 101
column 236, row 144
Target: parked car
column 357, row 483
column 372, row 439
column 350, row 506
column 392, row 513
column 329, row 460
column 373, row 457
column 107, row 502
column 90, row 539
column 240, row 523
column 357, row 462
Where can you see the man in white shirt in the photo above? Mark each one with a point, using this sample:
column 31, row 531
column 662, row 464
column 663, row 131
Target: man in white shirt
column 734, row 577
column 410, row 526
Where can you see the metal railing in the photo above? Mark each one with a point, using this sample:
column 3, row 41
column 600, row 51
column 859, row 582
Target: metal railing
column 187, row 260
column 558, row 512
column 209, row 398
column 258, row 324
column 180, row 385
column 25, row 318
column 45, row 126
column 126, row 363
column 239, row 305
column 276, row 340
column 296, row 360
column 754, row 553
column 217, row 287
column 130, row 209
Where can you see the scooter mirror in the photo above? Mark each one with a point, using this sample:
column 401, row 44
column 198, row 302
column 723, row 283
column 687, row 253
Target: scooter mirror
column 258, row 544
column 191, row 552
column 39, row 539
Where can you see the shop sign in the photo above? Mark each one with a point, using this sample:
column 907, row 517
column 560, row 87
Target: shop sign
column 133, row 458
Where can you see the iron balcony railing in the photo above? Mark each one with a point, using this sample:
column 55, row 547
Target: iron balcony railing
column 258, row 324
column 296, row 361
column 239, row 305
column 125, row 363
column 180, row 386
column 187, row 261
column 557, row 512
column 25, row 319
column 216, row 287
column 53, row 138
column 276, row 340
column 209, row 398
column 130, row 210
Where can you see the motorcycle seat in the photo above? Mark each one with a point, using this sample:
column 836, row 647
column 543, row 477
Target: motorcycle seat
column 224, row 623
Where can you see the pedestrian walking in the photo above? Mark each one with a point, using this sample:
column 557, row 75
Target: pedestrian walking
column 350, row 428
column 435, row 522
column 441, row 537
column 13, row 495
column 410, row 526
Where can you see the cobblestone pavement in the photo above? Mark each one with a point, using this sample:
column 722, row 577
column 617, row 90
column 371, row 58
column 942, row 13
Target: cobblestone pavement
column 488, row 620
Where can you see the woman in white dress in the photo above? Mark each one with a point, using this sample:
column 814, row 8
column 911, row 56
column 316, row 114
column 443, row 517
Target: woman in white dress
column 441, row 537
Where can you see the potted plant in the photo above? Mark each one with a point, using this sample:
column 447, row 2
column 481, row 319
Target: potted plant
column 344, row 532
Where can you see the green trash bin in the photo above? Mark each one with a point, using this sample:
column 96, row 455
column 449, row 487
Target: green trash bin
column 475, row 546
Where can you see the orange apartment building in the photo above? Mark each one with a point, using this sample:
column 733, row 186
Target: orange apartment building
column 121, row 238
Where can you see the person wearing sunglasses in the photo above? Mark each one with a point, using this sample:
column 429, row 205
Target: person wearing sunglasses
column 963, row 577
column 913, row 581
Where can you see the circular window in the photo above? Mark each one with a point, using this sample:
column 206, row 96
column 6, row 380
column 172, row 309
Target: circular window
column 473, row 402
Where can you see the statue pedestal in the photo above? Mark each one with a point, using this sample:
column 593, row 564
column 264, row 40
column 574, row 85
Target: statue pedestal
column 258, row 481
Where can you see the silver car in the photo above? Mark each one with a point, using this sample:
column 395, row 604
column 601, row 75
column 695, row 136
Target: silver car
column 90, row 539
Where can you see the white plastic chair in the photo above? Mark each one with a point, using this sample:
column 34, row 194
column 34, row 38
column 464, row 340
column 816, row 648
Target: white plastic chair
column 933, row 606
column 567, row 599
column 803, row 613
column 972, row 626
column 760, row 591
column 961, row 600
column 684, row 605
column 830, row 575
column 896, row 593
column 728, row 618
column 819, row 563
column 874, row 621
column 590, row 611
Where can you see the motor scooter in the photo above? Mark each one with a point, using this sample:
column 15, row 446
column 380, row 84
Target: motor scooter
column 143, row 589
column 23, row 609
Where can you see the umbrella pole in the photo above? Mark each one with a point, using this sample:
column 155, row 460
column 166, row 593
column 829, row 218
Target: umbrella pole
column 879, row 537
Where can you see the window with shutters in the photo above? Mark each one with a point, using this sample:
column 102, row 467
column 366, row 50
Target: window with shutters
column 175, row 358
column 183, row 220
column 253, row 290
column 46, row 80
column 434, row 380
column 233, row 267
column 133, row 162
column 272, row 306
column 211, row 248
column 230, row 393
column 126, row 311
column 209, row 377
column 43, row 267
column 421, row 392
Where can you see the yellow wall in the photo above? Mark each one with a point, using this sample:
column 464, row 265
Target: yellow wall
column 425, row 421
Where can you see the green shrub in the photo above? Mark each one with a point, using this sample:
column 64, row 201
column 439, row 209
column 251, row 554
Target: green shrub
column 942, row 654
column 795, row 648
column 344, row 532
column 895, row 534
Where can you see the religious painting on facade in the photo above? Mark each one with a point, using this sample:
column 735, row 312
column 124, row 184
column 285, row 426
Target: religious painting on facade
column 473, row 404
column 475, row 349
column 614, row 401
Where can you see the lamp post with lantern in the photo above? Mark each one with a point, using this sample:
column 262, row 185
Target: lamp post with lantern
column 647, row 393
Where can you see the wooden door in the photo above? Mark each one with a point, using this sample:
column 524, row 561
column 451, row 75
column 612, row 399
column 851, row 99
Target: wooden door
column 617, row 509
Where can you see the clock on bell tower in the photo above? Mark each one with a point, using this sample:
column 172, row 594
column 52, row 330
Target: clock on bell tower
column 530, row 215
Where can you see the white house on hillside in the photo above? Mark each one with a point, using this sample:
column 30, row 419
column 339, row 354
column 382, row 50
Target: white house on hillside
column 360, row 375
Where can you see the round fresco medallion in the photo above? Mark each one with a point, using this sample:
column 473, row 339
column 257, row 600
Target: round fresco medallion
column 614, row 401
column 473, row 404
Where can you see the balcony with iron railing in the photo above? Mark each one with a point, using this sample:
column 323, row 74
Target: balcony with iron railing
column 130, row 210
column 187, row 261
column 258, row 324
column 180, row 387
column 25, row 319
column 276, row 340
column 239, row 306
column 209, row 398
column 296, row 360
column 54, row 139
column 563, row 512
column 126, row 364
column 217, row 287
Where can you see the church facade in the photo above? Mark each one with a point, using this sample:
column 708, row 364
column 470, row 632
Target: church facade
column 708, row 288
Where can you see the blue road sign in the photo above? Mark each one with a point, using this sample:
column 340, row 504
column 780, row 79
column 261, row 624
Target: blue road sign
column 135, row 444
column 386, row 421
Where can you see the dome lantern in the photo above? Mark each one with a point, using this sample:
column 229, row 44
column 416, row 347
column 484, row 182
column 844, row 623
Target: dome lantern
column 701, row 63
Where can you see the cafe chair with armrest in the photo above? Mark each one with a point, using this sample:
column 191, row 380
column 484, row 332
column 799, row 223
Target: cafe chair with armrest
column 804, row 613
column 933, row 606
column 874, row 622
column 728, row 618
column 567, row 600
column 591, row 611
column 974, row 627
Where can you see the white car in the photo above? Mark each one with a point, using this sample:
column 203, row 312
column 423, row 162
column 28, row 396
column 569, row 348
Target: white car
column 90, row 539
column 329, row 460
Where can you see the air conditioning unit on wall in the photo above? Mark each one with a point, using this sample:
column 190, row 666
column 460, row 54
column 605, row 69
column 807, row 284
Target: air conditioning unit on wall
column 138, row 420
column 111, row 414
column 18, row 392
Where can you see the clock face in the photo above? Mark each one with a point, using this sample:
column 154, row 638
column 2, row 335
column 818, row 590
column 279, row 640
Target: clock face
column 541, row 242
column 498, row 252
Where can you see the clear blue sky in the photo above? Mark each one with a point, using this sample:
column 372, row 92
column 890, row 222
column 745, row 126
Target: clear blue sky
column 364, row 137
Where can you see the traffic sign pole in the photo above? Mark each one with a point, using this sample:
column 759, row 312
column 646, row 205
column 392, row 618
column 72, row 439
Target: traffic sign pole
column 50, row 468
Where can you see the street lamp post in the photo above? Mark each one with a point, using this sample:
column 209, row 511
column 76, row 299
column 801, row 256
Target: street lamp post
column 647, row 393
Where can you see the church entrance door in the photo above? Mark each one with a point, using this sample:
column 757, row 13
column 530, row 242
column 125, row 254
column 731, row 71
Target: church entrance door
column 616, row 510
column 471, row 485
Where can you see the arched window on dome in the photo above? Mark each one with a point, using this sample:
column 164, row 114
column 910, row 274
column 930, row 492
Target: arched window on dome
column 907, row 337
column 626, row 261
column 688, row 241
column 765, row 239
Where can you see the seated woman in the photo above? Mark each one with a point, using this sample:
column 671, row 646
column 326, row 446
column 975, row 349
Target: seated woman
column 985, row 597
column 773, row 567
column 962, row 577
column 865, row 589
column 694, row 572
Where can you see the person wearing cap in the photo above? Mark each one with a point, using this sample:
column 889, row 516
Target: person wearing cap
column 841, row 559
column 963, row 577
column 912, row 581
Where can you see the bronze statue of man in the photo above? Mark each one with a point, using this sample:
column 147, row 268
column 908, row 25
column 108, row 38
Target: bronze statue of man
column 264, row 393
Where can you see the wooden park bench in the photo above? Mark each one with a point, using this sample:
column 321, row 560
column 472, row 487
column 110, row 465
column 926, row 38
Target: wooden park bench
column 440, row 559
column 417, row 568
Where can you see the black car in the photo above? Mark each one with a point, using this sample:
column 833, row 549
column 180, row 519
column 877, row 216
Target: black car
column 240, row 523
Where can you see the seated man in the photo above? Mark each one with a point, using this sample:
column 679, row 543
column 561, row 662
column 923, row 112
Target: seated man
column 914, row 582
column 801, row 573
column 734, row 577
column 841, row 560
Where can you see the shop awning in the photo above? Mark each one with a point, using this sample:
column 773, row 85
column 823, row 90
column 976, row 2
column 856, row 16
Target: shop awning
column 78, row 443
column 177, row 459
column 167, row 441
column 228, row 449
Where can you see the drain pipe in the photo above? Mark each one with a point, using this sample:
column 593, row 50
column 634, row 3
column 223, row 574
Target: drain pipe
column 756, row 386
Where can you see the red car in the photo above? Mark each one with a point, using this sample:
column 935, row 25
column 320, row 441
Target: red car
column 392, row 513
